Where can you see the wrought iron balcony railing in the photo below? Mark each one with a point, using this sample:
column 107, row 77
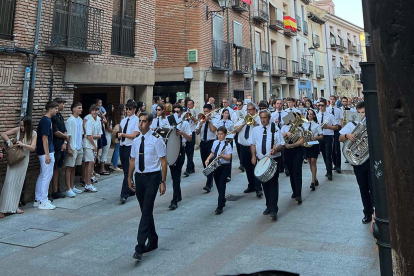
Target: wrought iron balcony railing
column 241, row 60
column 279, row 67
column 292, row 69
column 339, row 71
column 303, row 68
column 358, row 51
column 277, row 24
column 332, row 40
column 7, row 8
column 221, row 55
column 240, row 6
column 316, row 41
column 299, row 22
column 305, row 28
column 123, row 36
column 351, row 49
column 75, row 27
column 261, row 10
column 264, row 65
column 342, row 46
column 320, row 73
column 289, row 30
column 310, row 71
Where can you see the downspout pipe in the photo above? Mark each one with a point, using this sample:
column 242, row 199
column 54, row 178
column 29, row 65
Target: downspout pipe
column 251, row 47
column 270, row 63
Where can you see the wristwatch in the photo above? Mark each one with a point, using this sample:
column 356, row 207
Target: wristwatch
column 163, row 181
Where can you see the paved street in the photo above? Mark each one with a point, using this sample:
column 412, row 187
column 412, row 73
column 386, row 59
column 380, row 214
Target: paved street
column 93, row 234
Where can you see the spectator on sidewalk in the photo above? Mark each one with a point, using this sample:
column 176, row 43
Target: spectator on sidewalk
column 117, row 117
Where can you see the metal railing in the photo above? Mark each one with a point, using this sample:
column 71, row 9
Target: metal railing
column 264, row 65
column 76, row 28
column 351, row 48
column 310, row 72
column 240, row 6
column 342, row 46
column 358, row 51
column 123, row 36
column 241, row 60
column 279, row 66
column 261, row 10
column 305, row 27
column 7, row 8
column 338, row 71
column 316, row 41
column 333, row 43
column 303, row 67
column 320, row 73
column 277, row 24
column 299, row 22
column 292, row 69
column 221, row 55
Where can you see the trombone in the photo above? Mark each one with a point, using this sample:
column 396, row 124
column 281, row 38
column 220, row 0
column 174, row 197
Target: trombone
column 203, row 117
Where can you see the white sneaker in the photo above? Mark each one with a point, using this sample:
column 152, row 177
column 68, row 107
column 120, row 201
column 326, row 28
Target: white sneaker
column 90, row 188
column 46, row 206
column 76, row 191
column 70, row 193
column 36, row 204
column 117, row 169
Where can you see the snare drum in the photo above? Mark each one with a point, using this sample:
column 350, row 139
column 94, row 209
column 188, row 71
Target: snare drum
column 265, row 169
column 211, row 167
column 172, row 142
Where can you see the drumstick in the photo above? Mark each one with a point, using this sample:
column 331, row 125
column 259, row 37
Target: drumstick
column 274, row 147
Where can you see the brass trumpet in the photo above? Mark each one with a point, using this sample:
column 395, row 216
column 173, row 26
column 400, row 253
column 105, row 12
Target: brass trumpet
column 203, row 117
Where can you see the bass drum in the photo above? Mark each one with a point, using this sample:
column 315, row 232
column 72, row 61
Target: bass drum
column 172, row 142
column 265, row 169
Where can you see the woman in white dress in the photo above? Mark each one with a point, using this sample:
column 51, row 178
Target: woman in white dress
column 13, row 184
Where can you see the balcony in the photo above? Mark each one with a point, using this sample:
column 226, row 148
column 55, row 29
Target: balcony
column 277, row 24
column 358, row 51
column 339, row 71
column 290, row 26
column 310, row 71
column 221, row 55
column 342, row 46
column 299, row 22
column 75, row 27
column 305, row 28
column 264, row 65
column 261, row 11
column 241, row 60
column 240, row 6
column 303, row 68
column 320, row 73
column 334, row 45
column 292, row 69
column 123, row 36
column 351, row 48
column 279, row 66
column 316, row 41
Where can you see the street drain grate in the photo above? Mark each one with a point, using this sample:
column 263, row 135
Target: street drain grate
column 234, row 197
column 350, row 172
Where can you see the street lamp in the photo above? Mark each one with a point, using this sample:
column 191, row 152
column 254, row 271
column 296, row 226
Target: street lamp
column 312, row 53
column 312, row 50
column 224, row 4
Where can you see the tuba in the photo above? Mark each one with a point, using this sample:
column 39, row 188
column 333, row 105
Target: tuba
column 295, row 130
column 357, row 152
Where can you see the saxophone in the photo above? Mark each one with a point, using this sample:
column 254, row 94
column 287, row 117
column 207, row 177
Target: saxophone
column 357, row 153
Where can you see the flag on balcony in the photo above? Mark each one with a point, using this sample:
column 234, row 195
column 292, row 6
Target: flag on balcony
column 290, row 23
column 247, row 1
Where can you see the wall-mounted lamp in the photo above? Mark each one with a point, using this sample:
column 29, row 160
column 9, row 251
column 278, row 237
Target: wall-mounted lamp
column 224, row 4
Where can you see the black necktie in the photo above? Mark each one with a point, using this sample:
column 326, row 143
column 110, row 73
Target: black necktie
column 264, row 141
column 279, row 119
column 310, row 125
column 206, row 125
column 217, row 150
column 333, row 111
column 158, row 122
column 141, row 155
column 322, row 118
column 224, row 123
column 246, row 132
column 125, row 129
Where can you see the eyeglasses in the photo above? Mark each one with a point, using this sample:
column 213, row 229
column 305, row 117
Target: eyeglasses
column 250, row 109
column 239, row 105
column 129, row 108
column 158, row 109
column 176, row 111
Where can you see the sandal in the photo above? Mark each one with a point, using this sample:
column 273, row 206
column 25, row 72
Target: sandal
column 105, row 173
column 19, row 211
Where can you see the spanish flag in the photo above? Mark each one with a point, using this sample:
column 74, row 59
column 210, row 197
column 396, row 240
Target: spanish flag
column 290, row 23
column 247, row 1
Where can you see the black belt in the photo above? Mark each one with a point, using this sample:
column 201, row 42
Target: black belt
column 146, row 174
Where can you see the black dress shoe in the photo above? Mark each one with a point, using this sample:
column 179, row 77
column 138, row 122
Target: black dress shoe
column 334, row 168
column 316, row 182
column 248, row 190
column 266, row 212
column 122, row 200
column 330, row 177
column 259, row 194
column 137, row 256
column 338, row 170
column 273, row 215
column 299, row 199
column 312, row 186
column 293, row 196
column 186, row 173
column 287, row 173
column 179, row 198
column 219, row 211
column 193, row 171
column 326, row 175
column 207, row 189
column 173, row 206
column 228, row 179
column 150, row 247
column 242, row 168
column 367, row 219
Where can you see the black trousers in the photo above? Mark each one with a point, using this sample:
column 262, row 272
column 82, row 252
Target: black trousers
column 238, row 147
column 176, row 170
column 189, row 151
column 271, row 190
column 294, row 161
column 205, row 150
column 363, row 176
column 125, row 152
column 326, row 149
column 221, row 181
column 146, row 191
column 336, row 152
column 254, row 183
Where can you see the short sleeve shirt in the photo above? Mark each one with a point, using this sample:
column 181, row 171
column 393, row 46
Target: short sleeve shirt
column 314, row 127
column 44, row 129
column 228, row 150
column 154, row 149
column 58, row 124
column 131, row 128
column 92, row 127
column 256, row 139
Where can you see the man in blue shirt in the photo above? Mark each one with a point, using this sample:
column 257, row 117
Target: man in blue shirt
column 45, row 152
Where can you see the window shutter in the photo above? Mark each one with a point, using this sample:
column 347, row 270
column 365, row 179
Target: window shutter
column 217, row 27
column 237, row 33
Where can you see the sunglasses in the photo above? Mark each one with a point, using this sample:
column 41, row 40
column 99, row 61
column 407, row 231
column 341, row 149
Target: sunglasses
column 129, row 108
column 158, row 109
column 321, row 105
column 239, row 105
column 175, row 111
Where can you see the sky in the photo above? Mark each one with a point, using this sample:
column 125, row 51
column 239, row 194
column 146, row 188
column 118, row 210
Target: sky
column 350, row 10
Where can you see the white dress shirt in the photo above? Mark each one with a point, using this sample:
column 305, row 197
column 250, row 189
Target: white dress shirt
column 92, row 127
column 242, row 140
column 218, row 116
column 293, row 109
column 337, row 112
column 132, row 127
column 162, row 122
column 154, row 149
column 314, row 127
column 74, row 132
column 275, row 115
column 256, row 138
column 210, row 134
column 330, row 119
column 185, row 127
column 193, row 125
column 228, row 150
column 228, row 124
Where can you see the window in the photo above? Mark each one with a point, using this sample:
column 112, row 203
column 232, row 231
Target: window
column 123, row 28
column 265, row 91
column 217, row 27
column 7, row 18
column 237, row 34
